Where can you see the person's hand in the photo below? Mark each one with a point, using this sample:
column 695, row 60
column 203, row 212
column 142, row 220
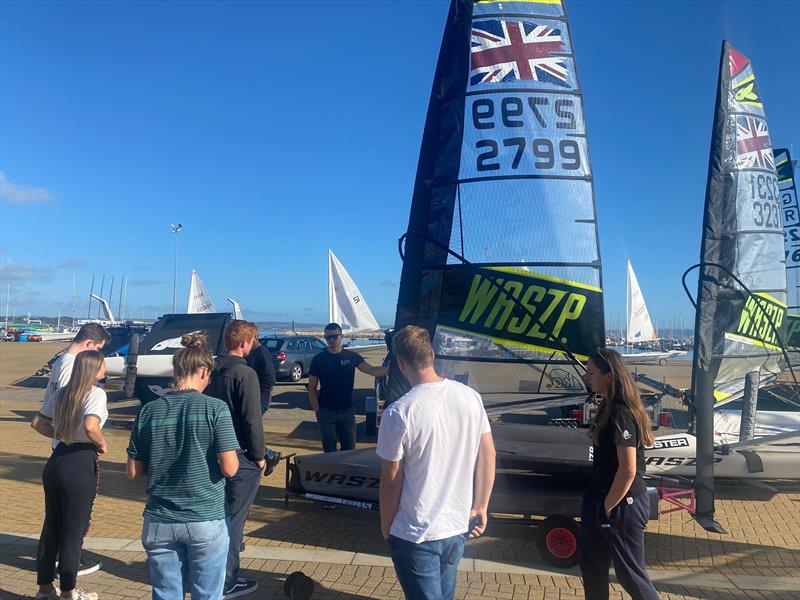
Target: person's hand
column 262, row 464
column 102, row 449
column 477, row 522
column 608, row 510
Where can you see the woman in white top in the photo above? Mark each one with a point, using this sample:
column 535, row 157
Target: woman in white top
column 73, row 417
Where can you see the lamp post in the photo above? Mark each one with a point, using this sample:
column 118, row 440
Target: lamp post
column 175, row 229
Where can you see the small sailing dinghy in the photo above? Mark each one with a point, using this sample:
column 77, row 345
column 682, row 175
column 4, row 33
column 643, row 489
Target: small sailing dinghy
column 199, row 300
column 346, row 304
column 640, row 327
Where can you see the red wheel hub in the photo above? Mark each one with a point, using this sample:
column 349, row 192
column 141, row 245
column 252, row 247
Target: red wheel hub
column 561, row 542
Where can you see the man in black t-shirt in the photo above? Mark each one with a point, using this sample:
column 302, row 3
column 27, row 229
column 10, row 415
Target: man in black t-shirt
column 334, row 371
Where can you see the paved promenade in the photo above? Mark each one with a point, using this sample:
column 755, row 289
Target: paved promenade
column 342, row 549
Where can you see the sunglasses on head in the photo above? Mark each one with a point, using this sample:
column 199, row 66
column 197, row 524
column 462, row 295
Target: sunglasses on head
column 601, row 362
column 332, row 336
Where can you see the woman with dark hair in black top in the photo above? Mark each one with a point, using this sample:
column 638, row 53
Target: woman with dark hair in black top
column 616, row 506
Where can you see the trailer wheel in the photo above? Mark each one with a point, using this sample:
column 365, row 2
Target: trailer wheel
column 557, row 541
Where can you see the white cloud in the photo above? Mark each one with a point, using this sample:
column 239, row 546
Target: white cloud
column 16, row 193
column 14, row 272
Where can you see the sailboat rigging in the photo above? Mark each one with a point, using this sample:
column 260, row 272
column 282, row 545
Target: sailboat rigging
column 741, row 299
column 501, row 260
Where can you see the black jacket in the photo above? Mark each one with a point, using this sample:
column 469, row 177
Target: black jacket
column 236, row 384
column 260, row 360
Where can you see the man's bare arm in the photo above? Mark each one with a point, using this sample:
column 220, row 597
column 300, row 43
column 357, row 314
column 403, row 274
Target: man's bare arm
column 389, row 494
column 484, row 482
column 313, row 382
column 369, row 369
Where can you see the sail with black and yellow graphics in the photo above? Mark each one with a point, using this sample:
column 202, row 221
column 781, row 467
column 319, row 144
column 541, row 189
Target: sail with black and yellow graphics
column 785, row 167
column 501, row 257
column 741, row 300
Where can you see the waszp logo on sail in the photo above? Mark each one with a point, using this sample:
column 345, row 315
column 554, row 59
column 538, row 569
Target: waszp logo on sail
column 491, row 304
column 538, row 312
column 761, row 319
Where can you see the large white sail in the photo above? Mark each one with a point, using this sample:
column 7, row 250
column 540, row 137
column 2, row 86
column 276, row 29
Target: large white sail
column 640, row 328
column 346, row 305
column 199, row 300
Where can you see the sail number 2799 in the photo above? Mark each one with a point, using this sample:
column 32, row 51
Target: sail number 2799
column 515, row 112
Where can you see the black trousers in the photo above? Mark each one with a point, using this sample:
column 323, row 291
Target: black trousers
column 70, row 486
column 240, row 491
column 618, row 538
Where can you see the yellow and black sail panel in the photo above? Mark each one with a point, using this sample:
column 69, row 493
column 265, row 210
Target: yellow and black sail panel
column 761, row 321
column 528, row 310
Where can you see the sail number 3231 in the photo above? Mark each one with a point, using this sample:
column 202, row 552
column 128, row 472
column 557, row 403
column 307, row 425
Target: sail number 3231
column 538, row 113
column 763, row 190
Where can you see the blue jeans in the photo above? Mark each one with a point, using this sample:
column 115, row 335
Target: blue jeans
column 194, row 553
column 427, row 571
column 337, row 425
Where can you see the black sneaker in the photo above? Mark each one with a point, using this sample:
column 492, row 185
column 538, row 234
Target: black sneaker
column 239, row 589
column 84, row 568
column 272, row 458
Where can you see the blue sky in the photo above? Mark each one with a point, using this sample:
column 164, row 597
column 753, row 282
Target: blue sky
column 274, row 131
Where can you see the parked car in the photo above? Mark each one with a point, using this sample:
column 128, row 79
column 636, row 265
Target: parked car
column 292, row 354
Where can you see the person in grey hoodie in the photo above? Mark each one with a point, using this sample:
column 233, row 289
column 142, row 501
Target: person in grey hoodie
column 236, row 384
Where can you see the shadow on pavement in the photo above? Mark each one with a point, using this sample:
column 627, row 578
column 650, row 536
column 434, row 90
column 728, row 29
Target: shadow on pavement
column 113, row 482
column 32, row 381
column 19, row 552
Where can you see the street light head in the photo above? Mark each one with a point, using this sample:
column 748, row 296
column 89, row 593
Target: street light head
column 176, row 228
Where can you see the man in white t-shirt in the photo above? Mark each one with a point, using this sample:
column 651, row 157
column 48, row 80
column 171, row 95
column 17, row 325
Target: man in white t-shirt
column 437, row 472
column 91, row 336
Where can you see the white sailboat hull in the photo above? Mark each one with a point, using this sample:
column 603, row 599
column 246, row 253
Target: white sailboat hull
column 728, row 423
column 651, row 357
column 52, row 336
column 147, row 365
column 775, row 457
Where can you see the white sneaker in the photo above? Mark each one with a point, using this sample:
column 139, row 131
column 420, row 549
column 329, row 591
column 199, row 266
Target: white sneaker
column 79, row 594
column 53, row 594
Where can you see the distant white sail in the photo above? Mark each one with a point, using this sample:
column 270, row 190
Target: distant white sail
column 346, row 305
column 237, row 310
column 640, row 328
column 199, row 300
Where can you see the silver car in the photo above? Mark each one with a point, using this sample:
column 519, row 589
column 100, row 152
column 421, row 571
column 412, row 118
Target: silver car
column 292, row 354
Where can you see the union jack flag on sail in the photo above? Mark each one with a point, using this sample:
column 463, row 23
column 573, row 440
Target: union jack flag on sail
column 753, row 146
column 515, row 50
